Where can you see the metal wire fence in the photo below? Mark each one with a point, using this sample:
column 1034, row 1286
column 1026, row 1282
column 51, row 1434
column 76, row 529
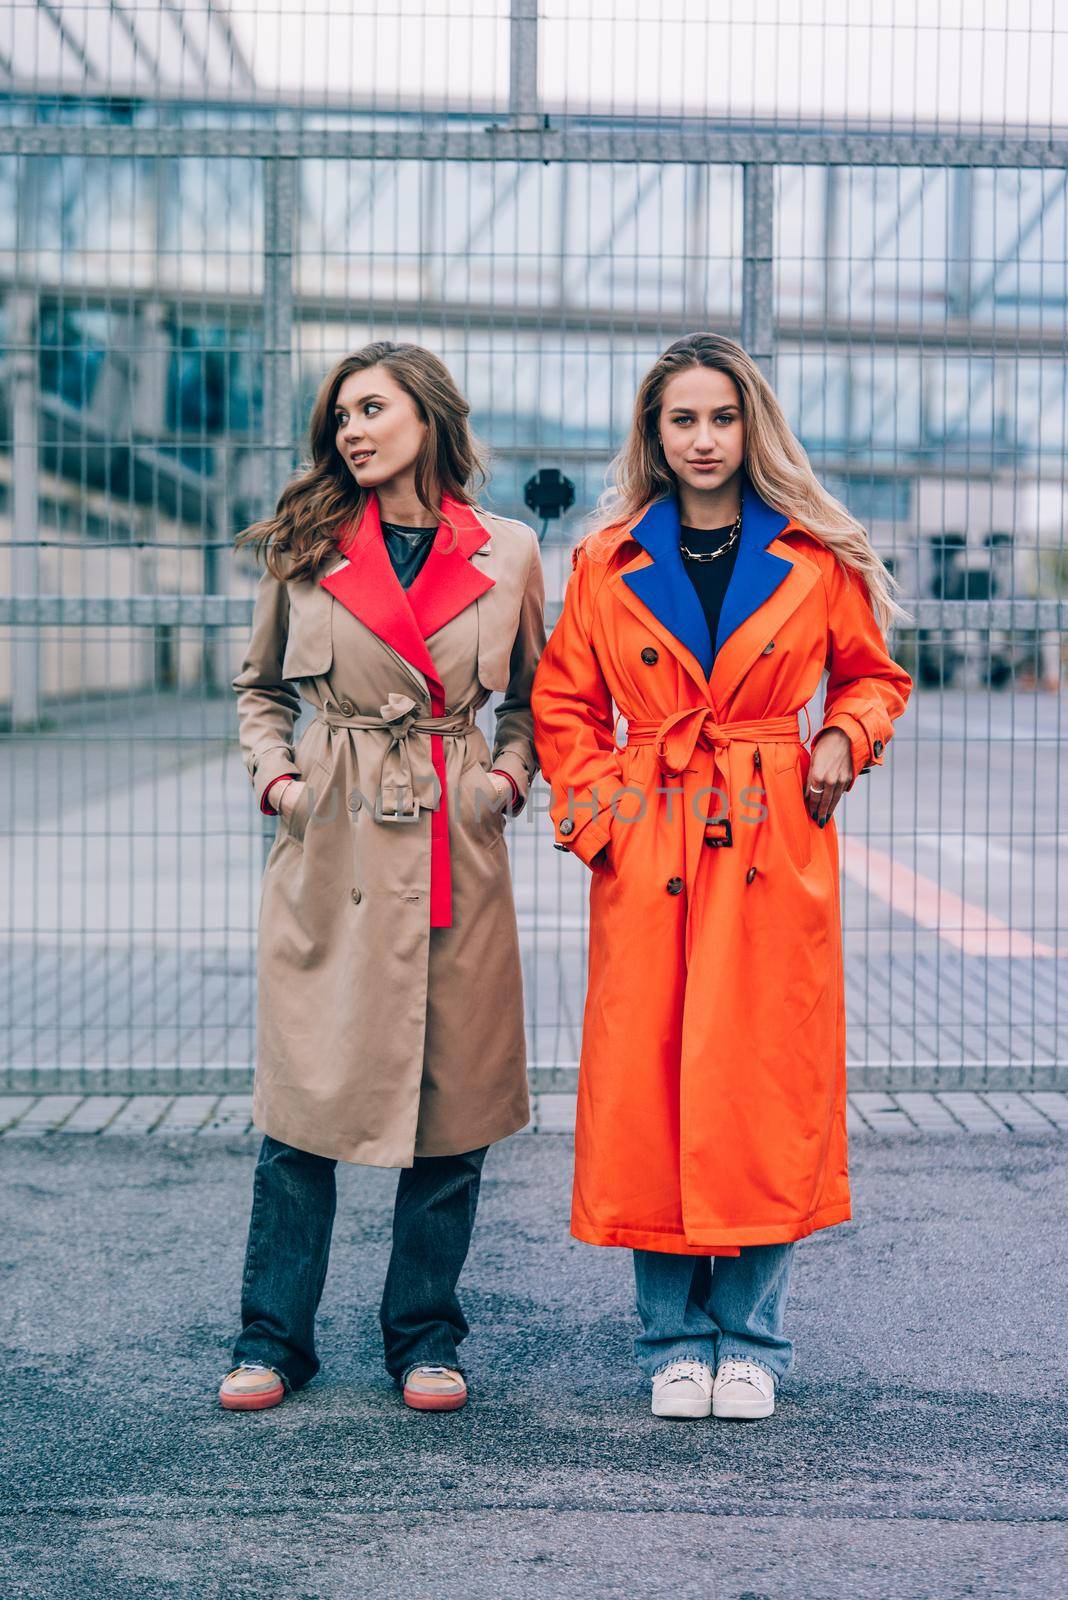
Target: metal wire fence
column 202, row 207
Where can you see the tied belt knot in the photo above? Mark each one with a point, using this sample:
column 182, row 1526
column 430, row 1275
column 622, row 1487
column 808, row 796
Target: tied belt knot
column 677, row 738
column 403, row 788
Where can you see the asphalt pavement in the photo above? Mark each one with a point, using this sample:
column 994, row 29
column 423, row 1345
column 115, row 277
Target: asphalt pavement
column 918, row 1451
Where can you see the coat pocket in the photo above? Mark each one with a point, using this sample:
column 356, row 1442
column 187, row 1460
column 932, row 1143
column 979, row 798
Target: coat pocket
column 486, row 805
column 295, row 822
column 316, row 777
column 786, row 803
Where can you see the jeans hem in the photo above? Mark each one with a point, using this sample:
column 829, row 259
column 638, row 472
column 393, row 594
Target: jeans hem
column 740, row 1352
column 250, row 1360
column 291, row 1382
column 401, row 1376
column 695, row 1350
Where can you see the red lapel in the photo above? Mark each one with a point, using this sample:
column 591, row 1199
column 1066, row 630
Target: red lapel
column 405, row 619
column 368, row 587
column 446, row 584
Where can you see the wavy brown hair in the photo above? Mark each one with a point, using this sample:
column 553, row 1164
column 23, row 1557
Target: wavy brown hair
column 323, row 495
column 775, row 461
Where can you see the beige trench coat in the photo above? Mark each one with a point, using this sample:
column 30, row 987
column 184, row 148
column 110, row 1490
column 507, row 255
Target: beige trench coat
column 382, row 1037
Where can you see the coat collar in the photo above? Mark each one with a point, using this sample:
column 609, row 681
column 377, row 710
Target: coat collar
column 404, row 619
column 658, row 579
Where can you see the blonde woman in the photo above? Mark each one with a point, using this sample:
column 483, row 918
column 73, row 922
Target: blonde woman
column 393, row 605
column 719, row 582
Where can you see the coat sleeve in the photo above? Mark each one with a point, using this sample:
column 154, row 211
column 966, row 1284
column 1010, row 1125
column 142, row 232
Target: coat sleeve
column 267, row 706
column 866, row 689
column 574, row 725
column 514, row 752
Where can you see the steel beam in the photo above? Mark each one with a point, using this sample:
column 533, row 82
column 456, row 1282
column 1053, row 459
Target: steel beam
column 934, row 337
column 562, row 139
column 233, row 611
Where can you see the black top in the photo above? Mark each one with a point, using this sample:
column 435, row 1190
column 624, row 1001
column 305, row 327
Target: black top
column 709, row 578
column 407, row 548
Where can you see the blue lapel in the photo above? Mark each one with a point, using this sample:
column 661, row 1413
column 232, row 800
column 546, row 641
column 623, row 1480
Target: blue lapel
column 757, row 573
column 665, row 586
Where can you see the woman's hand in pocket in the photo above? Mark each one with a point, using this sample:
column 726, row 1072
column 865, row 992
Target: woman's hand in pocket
column 289, row 797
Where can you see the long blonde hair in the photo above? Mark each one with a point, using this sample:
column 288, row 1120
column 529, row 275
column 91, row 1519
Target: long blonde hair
column 323, row 495
column 775, row 461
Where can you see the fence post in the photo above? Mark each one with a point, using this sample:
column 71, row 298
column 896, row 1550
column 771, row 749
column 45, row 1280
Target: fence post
column 280, row 191
column 281, row 181
column 523, row 63
column 758, row 264
column 25, row 523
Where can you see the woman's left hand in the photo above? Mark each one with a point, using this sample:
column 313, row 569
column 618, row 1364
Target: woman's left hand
column 504, row 788
column 829, row 774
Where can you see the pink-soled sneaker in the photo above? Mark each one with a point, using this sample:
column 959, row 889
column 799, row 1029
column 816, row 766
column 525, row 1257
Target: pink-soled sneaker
column 251, row 1387
column 434, row 1389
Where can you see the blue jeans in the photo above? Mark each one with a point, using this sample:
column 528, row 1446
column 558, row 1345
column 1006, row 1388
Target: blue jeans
column 714, row 1308
column 294, row 1198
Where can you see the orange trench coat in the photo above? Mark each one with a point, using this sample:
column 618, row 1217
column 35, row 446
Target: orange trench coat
column 712, row 1081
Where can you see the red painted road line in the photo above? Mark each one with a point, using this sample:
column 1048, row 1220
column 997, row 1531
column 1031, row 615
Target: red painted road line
column 966, row 927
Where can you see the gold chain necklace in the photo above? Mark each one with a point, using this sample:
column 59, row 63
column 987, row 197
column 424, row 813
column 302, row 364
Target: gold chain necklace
column 714, row 555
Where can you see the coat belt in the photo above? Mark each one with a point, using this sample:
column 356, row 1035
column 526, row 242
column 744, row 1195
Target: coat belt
column 678, row 736
column 676, row 741
column 412, row 778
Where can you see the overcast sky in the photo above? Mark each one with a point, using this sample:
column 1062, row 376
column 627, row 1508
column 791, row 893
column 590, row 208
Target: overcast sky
column 954, row 61
column 991, row 63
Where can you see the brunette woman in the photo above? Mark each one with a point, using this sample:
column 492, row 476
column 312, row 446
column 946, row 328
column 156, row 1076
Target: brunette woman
column 718, row 583
column 394, row 606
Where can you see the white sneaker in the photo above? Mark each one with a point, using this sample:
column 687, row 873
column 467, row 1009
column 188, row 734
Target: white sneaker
column 683, row 1389
column 742, row 1389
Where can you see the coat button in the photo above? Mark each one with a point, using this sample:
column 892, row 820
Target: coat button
column 674, row 886
column 768, row 648
column 567, row 826
column 877, row 747
column 750, row 875
column 356, row 897
column 756, row 759
column 345, row 707
column 650, row 656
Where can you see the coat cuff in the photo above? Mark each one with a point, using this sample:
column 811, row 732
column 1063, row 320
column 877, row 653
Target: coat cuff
column 515, row 805
column 514, row 767
column 587, row 838
column 265, row 804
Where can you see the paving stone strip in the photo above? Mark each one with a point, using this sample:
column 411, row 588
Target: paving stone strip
column 214, row 1115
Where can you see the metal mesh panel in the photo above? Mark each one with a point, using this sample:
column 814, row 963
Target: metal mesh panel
column 201, row 208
